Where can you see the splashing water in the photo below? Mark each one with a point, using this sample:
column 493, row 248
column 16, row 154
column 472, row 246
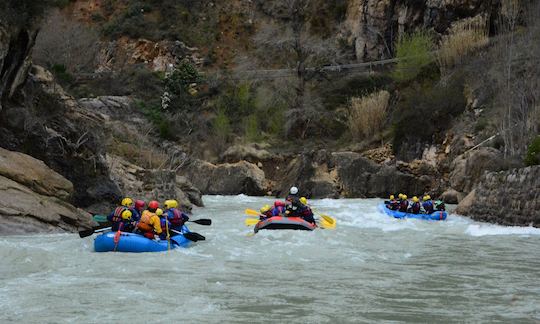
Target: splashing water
column 371, row 268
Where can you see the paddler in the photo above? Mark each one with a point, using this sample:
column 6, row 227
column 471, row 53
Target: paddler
column 150, row 224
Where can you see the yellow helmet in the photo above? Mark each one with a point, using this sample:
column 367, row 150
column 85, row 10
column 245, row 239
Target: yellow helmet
column 415, row 199
column 428, row 197
column 171, row 203
column 392, row 197
column 404, row 197
column 127, row 202
column 303, row 200
column 159, row 211
column 126, row 214
column 400, row 196
column 425, row 198
column 265, row 208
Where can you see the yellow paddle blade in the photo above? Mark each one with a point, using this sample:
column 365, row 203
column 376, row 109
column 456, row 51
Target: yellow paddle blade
column 251, row 212
column 327, row 222
column 251, row 221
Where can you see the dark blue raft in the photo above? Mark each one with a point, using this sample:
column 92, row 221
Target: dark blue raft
column 437, row 215
column 130, row 242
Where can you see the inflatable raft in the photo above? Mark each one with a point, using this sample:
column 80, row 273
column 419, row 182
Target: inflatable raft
column 281, row 222
column 130, row 242
column 437, row 215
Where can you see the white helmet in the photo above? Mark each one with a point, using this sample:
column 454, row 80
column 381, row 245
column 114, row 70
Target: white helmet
column 293, row 191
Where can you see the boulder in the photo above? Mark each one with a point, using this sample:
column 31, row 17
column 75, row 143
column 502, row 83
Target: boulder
column 466, row 203
column 226, row 179
column 451, row 196
column 252, row 153
column 34, row 174
column 467, row 168
column 152, row 184
column 24, row 211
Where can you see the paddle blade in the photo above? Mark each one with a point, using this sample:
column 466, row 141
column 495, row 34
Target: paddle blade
column 327, row 222
column 252, row 212
column 202, row 221
column 251, row 221
column 86, row 233
column 192, row 236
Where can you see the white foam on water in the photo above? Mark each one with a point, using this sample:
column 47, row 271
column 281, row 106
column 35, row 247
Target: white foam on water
column 489, row 229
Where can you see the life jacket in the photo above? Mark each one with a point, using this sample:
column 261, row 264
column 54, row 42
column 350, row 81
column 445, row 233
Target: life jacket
column 277, row 211
column 135, row 214
column 415, row 208
column 149, row 222
column 403, row 206
column 428, row 206
column 176, row 217
column 393, row 205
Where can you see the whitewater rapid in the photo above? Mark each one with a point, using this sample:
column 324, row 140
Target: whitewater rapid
column 371, row 268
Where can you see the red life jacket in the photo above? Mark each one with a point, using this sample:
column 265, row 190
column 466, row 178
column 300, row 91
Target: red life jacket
column 117, row 216
column 176, row 219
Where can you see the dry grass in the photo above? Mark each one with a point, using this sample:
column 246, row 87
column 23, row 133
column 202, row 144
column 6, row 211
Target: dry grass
column 368, row 114
column 464, row 38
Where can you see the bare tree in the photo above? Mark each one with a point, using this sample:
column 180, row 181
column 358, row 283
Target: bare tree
column 286, row 41
column 520, row 94
column 66, row 42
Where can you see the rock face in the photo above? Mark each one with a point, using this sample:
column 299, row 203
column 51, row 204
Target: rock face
column 506, row 197
column 226, row 179
column 361, row 177
column 372, row 26
column 34, row 198
column 146, row 184
column 468, row 168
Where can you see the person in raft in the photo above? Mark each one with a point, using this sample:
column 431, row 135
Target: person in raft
column 176, row 217
column 279, row 208
column 137, row 212
column 266, row 212
column 305, row 211
column 414, row 207
column 292, row 201
column 404, row 204
column 116, row 216
column 150, row 224
column 427, row 205
column 393, row 204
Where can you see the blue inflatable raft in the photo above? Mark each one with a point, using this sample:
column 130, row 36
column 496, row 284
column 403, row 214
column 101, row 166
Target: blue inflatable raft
column 130, row 242
column 437, row 215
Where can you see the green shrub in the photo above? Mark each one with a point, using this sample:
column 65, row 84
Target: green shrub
column 159, row 119
column 61, row 74
column 178, row 87
column 221, row 125
column 414, row 52
column 252, row 131
column 533, row 152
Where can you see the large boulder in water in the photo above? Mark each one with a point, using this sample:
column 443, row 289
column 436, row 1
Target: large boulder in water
column 34, row 198
column 226, row 179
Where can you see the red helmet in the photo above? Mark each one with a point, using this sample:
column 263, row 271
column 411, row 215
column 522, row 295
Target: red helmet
column 278, row 203
column 153, row 205
column 139, row 204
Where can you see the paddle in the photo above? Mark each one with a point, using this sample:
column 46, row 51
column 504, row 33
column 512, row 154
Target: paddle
column 327, row 222
column 252, row 212
column 89, row 232
column 202, row 221
column 251, row 221
column 192, row 236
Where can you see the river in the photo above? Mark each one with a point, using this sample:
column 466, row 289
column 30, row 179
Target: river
column 371, row 268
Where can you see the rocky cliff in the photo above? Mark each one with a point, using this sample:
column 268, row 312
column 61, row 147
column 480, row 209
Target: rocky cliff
column 506, row 197
column 371, row 26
